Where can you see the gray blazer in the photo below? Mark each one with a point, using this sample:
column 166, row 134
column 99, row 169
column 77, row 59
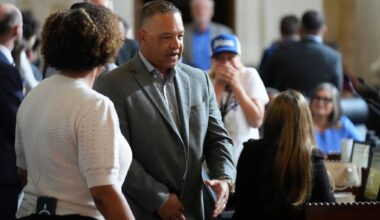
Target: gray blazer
column 215, row 30
column 164, row 159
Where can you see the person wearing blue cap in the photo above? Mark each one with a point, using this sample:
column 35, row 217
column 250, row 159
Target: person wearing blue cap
column 239, row 90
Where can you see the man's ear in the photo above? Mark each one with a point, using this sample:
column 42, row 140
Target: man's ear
column 16, row 31
column 141, row 36
column 324, row 30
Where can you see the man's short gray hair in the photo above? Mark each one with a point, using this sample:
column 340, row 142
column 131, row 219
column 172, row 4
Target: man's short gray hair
column 210, row 2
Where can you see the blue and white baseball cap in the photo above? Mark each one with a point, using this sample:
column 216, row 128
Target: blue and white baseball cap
column 225, row 43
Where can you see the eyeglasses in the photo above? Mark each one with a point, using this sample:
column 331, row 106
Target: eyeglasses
column 323, row 99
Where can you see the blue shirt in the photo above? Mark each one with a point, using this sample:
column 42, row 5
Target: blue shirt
column 328, row 141
column 201, row 50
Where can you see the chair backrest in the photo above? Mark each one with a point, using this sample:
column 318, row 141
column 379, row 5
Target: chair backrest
column 345, row 211
column 355, row 108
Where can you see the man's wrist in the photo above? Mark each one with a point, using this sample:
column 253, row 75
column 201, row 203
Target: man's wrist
column 228, row 180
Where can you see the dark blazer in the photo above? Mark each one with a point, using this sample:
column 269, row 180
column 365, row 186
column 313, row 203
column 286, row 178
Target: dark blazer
column 254, row 185
column 166, row 159
column 129, row 49
column 4, row 59
column 302, row 66
column 10, row 99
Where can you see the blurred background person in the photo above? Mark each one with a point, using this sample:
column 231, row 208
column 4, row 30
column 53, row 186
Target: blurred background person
column 199, row 33
column 303, row 65
column 330, row 123
column 22, row 48
column 76, row 130
column 289, row 30
column 130, row 47
column 240, row 93
column 31, row 41
column 277, row 174
column 105, row 3
column 11, row 95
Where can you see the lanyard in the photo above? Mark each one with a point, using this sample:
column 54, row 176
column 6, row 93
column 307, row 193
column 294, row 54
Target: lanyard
column 224, row 105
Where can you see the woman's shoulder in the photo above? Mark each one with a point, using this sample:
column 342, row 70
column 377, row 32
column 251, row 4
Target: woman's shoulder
column 253, row 143
column 317, row 154
column 89, row 98
column 257, row 147
column 345, row 121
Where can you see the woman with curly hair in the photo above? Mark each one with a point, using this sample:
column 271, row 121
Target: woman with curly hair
column 276, row 175
column 75, row 159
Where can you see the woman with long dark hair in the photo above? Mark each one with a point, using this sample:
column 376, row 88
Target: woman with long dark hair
column 277, row 174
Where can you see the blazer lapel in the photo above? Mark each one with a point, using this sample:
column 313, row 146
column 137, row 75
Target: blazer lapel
column 183, row 99
column 146, row 81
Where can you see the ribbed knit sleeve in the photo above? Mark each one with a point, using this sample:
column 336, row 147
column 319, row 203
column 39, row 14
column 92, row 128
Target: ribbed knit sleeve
column 97, row 143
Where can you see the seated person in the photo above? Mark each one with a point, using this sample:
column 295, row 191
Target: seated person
column 286, row 166
column 330, row 125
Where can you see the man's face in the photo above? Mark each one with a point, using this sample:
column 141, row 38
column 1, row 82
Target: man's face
column 202, row 11
column 161, row 40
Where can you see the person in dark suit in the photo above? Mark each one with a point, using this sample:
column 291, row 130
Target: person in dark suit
column 10, row 98
column 10, row 31
column 168, row 114
column 303, row 65
column 289, row 29
column 276, row 175
column 130, row 47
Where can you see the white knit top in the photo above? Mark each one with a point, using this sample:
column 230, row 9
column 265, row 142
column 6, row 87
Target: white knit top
column 68, row 139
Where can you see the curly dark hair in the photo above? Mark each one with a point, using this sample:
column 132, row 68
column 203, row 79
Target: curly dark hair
column 81, row 39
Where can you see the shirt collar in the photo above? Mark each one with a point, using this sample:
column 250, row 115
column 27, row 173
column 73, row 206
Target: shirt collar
column 152, row 69
column 198, row 32
column 7, row 54
column 313, row 37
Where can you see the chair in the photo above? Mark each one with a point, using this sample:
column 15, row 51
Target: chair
column 346, row 211
column 355, row 108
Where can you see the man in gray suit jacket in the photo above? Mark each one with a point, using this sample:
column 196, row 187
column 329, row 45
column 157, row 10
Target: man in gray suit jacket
column 169, row 116
column 303, row 65
column 198, row 34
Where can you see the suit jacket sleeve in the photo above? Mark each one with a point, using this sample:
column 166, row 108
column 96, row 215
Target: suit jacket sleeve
column 218, row 145
column 144, row 189
column 338, row 70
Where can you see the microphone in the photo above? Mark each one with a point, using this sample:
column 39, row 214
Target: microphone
column 369, row 87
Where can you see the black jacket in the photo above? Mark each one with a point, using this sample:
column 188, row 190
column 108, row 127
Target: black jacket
column 255, row 189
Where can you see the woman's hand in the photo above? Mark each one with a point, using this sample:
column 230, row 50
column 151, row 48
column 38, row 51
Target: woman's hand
column 228, row 74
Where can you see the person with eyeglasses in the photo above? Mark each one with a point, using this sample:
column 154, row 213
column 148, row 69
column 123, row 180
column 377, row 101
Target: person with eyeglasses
column 331, row 126
column 240, row 92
